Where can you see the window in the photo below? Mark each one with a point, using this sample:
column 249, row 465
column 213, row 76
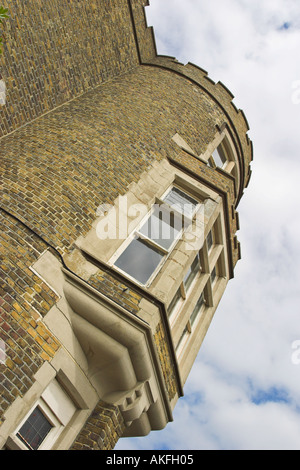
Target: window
column 219, row 157
column 197, row 293
column 139, row 260
column 35, row 429
column 188, row 329
column 189, row 326
column 191, row 274
column 213, row 275
column 219, row 269
column 210, row 264
column 197, row 309
column 155, row 237
column 175, row 301
column 180, row 201
column 39, row 429
column 209, row 241
column 162, row 227
column 182, row 341
column 45, row 421
column 184, row 287
column 224, row 157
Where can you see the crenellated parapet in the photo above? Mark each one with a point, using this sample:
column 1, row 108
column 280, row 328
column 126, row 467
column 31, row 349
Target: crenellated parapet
column 219, row 93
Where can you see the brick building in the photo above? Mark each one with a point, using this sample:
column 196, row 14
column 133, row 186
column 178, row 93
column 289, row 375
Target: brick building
column 102, row 143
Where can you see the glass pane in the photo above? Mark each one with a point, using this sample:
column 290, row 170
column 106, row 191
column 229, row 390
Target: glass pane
column 219, row 157
column 182, row 337
column 35, row 429
column 162, row 227
column 213, row 275
column 174, row 302
column 181, row 201
column 139, row 260
column 197, row 309
column 191, row 274
column 209, row 241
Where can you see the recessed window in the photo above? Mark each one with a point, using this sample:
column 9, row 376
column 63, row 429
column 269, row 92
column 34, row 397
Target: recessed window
column 162, row 227
column 182, row 340
column 45, row 421
column 219, row 157
column 209, row 241
column 188, row 329
column 155, row 237
column 197, row 309
column 213, row 275
column 184, row 287
column 181, row 201
column 177, row 297
column 192, row 273
column 206, row 270
column 139, row 260
column 35, row 429
column 224, row 157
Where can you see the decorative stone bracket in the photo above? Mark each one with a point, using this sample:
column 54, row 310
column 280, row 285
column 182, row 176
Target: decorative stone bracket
column 121, row 356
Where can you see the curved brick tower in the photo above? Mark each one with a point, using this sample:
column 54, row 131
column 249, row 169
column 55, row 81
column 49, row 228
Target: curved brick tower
column 101, row 141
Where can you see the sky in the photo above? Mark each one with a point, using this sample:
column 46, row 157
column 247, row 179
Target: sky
column 243, row 392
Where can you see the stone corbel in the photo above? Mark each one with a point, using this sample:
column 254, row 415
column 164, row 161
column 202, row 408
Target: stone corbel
column 121, row 356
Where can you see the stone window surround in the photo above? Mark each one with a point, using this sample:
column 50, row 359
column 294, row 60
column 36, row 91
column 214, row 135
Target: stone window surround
column 206, row 257
column 166, row 252
column 183, row 292
column 223, row 139
column 57, row 415
column 209, row 259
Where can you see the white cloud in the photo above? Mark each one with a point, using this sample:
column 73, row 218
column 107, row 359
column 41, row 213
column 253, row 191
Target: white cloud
column 253, row 48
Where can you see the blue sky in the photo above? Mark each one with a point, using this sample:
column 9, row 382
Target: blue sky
column 244, row 389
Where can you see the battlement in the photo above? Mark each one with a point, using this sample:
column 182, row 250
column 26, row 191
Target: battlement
column 219, row 93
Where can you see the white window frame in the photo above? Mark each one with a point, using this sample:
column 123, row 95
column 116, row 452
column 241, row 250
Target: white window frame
column 173, row 314
column 226, row 148
column 57, row 407
column 151, row 243
column 220, row 151
column 53, row 434
column 182, row 342
column 211, row 236
column 191, row 325
column 209, row 261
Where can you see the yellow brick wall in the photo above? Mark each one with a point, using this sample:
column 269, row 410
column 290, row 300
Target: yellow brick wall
column 24, row 298
column 102, row 429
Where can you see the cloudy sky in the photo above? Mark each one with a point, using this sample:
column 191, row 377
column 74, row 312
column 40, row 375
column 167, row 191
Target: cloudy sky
column 244, row 389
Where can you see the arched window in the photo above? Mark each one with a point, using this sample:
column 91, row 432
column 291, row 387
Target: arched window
column 224, row 157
